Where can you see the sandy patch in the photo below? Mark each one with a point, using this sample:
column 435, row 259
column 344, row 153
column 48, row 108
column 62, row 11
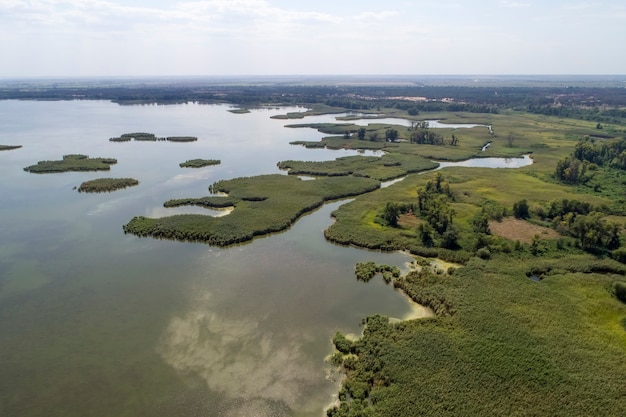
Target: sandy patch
column 517, row 229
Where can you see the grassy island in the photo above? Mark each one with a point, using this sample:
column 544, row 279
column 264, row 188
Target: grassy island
column 72, row 163
column 140, row 136
column 262, row 205
column 151, row 137
column 9, row 147
column 101, row 185
column 181, row 138
column 386, row 167
column 199, row 163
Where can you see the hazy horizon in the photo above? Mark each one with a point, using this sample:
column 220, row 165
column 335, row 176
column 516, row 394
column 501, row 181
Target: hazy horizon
column 244, row 38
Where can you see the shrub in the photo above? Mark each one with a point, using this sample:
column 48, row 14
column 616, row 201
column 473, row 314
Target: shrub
column 483, row 253
column 619, row 288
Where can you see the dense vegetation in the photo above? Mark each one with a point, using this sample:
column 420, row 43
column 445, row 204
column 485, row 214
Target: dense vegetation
column 74, row 162
column 9, row 147
column 101, row 185
column 499, row 345
column 386, row 167
column 199, row 163
column 262, row 205
column 495, row 345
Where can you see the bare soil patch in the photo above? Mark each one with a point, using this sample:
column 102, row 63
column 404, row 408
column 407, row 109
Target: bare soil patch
column 408, row 221
column 516, row 229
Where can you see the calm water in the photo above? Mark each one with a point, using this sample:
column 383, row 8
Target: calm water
column 97, row 323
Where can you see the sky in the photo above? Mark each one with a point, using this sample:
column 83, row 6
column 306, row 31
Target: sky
column 65, row 38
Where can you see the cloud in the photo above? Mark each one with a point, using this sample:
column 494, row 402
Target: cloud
column 376, row 15
column 513, row 4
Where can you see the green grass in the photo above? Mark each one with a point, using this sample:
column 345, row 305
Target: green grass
column 72, row 163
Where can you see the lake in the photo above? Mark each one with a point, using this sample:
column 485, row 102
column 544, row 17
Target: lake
column 94, row 322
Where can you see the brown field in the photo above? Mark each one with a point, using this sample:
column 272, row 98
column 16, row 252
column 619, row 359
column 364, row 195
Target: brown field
column 516, row 229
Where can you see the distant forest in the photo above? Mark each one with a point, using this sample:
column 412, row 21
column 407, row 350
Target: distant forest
column 602, row 104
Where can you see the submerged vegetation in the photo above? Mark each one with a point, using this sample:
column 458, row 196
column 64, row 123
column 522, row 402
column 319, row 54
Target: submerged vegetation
column 74, row 162
column 101, row 185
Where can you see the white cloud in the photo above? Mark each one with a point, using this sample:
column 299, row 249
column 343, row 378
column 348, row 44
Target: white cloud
column 513, row 4
column 279, row 36
column 376, row 15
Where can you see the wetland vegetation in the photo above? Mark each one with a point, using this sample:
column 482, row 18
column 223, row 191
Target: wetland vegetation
column 199, row 163
column 102, row 185
column 263, row 204
column 73, row 162
column 9, row 147
column 499, row 343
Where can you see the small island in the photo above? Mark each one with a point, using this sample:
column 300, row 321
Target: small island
column 199, row 163
column 74, row 162
column 181, row 138
column 151, row 137
column 140, row 136
column 102, row 185
column 9, row 147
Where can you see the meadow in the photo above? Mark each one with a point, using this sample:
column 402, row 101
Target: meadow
column 524, row 325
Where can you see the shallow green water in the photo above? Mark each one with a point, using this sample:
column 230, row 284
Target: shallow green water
column 97, row 323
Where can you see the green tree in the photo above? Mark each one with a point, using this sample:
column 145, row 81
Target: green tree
column 521, row 210
column 391, row 135
column 480, row 223
column 361, row 133
column 391, row 214
column 450, row 237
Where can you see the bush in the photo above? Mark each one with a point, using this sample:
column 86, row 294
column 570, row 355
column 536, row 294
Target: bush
column 619, row 288
column 483, row 253
column 619, row 255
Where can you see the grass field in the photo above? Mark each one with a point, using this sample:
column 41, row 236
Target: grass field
column 501, row 344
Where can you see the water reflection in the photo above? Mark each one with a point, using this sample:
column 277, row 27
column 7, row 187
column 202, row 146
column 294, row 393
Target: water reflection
column 240, row 359
column 490, row 163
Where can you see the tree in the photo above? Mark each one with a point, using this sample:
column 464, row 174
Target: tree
column 391, row 214
column 391, row 135
column 480, row 222
column 361, row 133
column 426, row 234
column 450, row 237
column 521, row 210
column 413, row 111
